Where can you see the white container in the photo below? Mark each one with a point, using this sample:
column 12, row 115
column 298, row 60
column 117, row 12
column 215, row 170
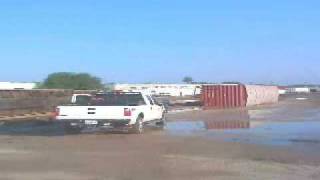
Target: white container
column 258, row 95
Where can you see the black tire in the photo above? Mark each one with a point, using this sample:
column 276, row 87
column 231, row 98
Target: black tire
column 138, row 127
column 70, row 129
column 162, row 123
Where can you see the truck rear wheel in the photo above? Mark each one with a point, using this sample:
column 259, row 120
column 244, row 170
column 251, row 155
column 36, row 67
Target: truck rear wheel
column 138, row 127
column 71, row 129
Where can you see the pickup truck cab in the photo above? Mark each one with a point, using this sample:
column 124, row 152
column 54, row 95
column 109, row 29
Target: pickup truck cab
column 116, row 111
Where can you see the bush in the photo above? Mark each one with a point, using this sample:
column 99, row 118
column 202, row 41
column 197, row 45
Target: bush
column 76, row 81
column 187, row 80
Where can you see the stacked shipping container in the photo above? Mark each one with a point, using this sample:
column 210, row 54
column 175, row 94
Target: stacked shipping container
column 237, row 95
column 261, row 94
column 14, row 102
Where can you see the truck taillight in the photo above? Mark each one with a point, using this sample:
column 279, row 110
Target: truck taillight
column 127, row 112
column 56, row 113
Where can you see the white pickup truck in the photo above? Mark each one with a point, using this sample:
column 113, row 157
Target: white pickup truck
column 115, row 111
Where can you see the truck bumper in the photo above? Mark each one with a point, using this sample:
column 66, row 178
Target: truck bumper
column 104, row 124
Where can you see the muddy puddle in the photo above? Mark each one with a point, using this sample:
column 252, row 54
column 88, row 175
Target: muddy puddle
column 47, row 128
column 32, row 128
column 301, row 135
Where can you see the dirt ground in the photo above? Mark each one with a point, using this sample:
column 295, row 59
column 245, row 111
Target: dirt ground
column 159, row 155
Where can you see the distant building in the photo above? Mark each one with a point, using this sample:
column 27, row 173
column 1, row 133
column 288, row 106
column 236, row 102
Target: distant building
column 282, row 90
column 161, row 89
column 315, row 89
column 16, row 85
column 299, row 90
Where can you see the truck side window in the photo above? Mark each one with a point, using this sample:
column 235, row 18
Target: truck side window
column 150, row 100
column 155, row 100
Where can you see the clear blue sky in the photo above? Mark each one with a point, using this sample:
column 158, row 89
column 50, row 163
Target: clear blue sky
column 162, row 40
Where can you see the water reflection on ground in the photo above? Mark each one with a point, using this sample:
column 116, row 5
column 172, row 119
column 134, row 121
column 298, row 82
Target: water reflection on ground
column 32, row 128
column 301, row 135
column 236, row 126
column 180, row 127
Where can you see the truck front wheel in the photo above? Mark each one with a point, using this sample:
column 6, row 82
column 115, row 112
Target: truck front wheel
column 162, row 122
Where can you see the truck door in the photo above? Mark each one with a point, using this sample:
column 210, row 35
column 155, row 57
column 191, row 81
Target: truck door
column 158, row 110
column 151, row 109
column 147, row 109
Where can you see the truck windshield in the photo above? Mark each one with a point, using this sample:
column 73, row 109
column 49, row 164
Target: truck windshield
column 117, row 100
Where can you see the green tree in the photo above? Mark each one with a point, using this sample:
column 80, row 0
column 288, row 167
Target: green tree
column 68, row 80
column 187, row 80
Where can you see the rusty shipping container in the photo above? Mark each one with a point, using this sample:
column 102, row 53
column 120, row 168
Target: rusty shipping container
column 223, row 96
column 237, row 95
column 21, row 101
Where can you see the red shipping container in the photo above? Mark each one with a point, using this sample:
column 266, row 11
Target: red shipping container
column 223, row 96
